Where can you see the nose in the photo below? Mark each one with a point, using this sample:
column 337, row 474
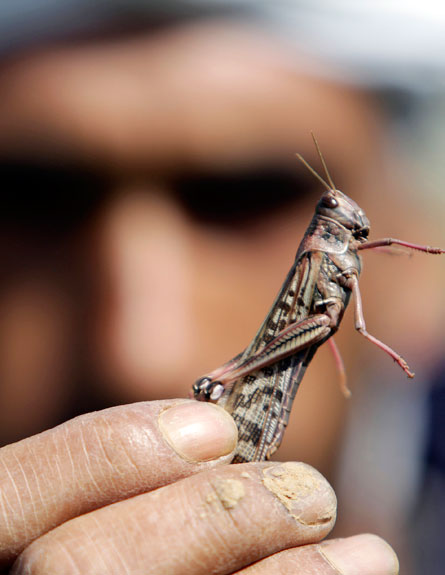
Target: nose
column 145, row 327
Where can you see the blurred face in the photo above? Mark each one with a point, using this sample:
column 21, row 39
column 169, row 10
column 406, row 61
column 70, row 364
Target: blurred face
column 195, row 131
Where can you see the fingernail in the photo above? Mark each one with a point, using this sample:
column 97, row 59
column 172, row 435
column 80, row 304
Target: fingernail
column 303, row 491
column 361, row 555
column 199, row 431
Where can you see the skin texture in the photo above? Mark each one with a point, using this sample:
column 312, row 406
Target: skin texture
column 109, row 492
column 86, row 463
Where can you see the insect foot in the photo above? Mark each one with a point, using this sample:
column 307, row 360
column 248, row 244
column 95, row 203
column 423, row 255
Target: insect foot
column 207, row 390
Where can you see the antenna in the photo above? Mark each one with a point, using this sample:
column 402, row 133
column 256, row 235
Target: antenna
column 323, row 162
column 313, row 172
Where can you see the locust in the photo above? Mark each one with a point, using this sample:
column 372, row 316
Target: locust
column 258, row 386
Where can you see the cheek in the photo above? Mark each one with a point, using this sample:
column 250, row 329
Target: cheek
column 180, row 299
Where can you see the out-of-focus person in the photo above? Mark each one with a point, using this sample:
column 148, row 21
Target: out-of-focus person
column 153, row 205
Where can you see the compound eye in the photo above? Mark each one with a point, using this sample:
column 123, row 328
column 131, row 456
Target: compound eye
column 329, row 201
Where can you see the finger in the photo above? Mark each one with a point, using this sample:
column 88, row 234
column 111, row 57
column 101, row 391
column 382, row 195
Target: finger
column 363, row 554
column 215, row 522
column 100, row 458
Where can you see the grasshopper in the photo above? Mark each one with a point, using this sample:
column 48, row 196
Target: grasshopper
column 258, row 386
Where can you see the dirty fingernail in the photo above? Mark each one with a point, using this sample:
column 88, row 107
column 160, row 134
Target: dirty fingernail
column 304, row 492
column 361, row 555
column 199, row 431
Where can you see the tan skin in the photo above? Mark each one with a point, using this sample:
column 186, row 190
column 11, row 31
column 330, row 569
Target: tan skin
column 171, row 305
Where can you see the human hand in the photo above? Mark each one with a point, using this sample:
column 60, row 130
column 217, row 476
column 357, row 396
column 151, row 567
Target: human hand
column 145, row 488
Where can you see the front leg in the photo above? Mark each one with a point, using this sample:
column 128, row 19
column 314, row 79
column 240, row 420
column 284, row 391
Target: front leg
column 392, row 242
column 351, row 281
column 292, row 339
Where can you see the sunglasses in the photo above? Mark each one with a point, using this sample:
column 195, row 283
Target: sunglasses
column 55, row 199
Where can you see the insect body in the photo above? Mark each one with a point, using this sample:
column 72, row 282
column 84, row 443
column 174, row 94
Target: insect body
column 259, row 385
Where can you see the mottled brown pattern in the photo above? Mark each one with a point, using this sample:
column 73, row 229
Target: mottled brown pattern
column 261, row 383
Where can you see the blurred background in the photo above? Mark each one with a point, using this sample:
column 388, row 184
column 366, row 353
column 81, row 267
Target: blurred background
column 152, row 205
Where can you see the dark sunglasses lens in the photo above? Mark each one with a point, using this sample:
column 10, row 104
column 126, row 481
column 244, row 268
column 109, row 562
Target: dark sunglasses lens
column 241, row 197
